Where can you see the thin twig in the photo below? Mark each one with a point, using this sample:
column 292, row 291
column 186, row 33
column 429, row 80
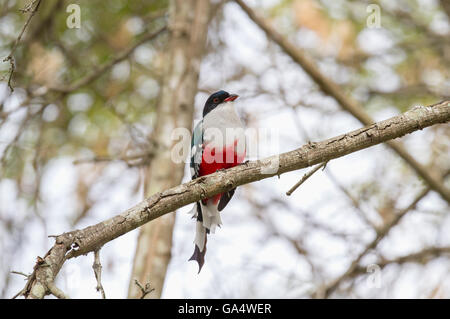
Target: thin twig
column 20, row 273
column 97, row 266
column 58, row 293
column 108, row 65
column 353, row 200
column 305, row 177
column 145, row 290
column 16, row 42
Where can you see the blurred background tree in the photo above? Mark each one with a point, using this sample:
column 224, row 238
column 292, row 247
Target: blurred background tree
column 77, row 143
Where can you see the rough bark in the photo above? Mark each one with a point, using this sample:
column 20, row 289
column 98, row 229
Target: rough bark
column 188, row 29
column 81, row 242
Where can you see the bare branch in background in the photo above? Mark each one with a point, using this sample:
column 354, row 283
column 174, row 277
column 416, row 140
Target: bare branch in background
column 361, row 213
column 79, row 242
column 299, row 66
column 108, row 65
column 56, row 291
column 420, row 257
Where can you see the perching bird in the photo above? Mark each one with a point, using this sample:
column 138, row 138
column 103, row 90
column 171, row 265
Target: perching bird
column 218, row 142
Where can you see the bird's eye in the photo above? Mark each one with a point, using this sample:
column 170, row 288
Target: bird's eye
column 216, row 100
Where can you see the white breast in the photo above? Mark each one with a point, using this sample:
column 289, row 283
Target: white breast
column 222, row 126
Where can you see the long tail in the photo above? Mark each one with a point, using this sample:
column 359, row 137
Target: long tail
column 208, row 218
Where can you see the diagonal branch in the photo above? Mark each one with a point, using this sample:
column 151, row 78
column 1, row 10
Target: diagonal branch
column 97, row 266
column 305, row 177
column 108, row 65
column 81, row 242
column 347, row 103
column 144, row 290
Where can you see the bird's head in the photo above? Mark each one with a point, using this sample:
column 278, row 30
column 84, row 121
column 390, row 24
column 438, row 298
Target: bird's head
column 217, row 99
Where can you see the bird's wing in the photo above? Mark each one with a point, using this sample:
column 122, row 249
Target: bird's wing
column 225, row 198
column 196, row 149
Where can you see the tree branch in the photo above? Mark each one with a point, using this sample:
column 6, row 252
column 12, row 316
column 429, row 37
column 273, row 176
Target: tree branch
column 347, row 103
column 81, row 242
column 97, row 266
column 144, row 290
column 108, row 65
column 305, row 177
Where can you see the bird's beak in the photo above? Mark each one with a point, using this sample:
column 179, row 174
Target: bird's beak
column 232, row 97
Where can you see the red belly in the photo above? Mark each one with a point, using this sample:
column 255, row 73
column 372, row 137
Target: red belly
column 213, row 160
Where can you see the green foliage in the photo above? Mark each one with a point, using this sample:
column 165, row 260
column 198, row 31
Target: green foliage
column 53, row 55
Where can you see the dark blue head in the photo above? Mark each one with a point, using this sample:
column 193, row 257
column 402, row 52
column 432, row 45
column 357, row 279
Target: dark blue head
column 217, row 98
